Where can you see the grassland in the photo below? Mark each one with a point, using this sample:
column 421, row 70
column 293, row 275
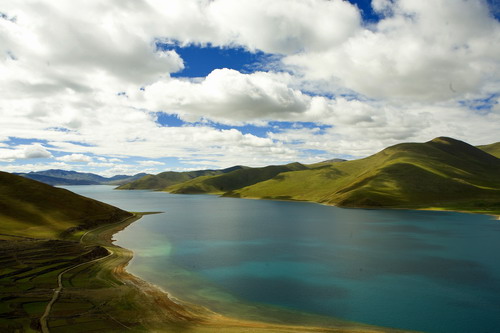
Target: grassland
column 60, row 272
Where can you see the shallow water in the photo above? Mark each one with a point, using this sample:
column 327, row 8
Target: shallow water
column 428, row 271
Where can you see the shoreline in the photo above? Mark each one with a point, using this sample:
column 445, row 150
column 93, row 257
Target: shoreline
column 174, row 312
column 438, row 209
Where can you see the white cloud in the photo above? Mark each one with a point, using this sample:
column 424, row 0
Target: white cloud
column 391, row 126
column 422, row 51
column 101, row 164
column 284, row 26
column 64, row 63
column 36, row 151
column 75, row 158
column 33, row 151
column 227, row 96
column 150, row 163
column 33, row 167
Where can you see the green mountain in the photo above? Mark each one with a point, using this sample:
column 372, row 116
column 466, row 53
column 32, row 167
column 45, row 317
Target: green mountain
column 28, row 207
column 169, row 178
column 444, row 173
column 64, row 177
column 233, row 180
column 123, row 179
column 492, row 149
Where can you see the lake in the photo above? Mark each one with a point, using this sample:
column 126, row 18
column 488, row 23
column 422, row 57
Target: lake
column 419, row 270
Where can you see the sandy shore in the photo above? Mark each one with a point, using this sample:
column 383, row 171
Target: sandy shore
column 160, row 313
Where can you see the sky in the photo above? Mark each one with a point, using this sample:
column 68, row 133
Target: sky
column 127, row 86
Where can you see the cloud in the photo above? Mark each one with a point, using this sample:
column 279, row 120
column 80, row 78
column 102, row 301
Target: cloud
column 150, row 163
column 36, row 151
column 65, row 47
column 227, row 95
column 102, row 164
column 112, row 160
column 391, row 125
column 34, row 167
column 33, row 151
column 75, row 158
column 311, row 25
column 421, row 51
column 416, row 74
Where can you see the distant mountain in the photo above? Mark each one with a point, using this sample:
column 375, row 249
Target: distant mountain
column 334, row 160
column 492, row 149
column 123, row 179
column 444, row 173
column 233, row 180
column 64, row 177
column 30, row 207
column 169, row 178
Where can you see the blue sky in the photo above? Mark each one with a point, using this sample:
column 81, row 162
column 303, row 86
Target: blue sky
column 187, row 84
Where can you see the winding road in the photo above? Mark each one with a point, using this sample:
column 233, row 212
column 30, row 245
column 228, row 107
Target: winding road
column 57, row 291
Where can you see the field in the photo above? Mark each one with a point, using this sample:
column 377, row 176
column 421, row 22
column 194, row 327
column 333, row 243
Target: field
column 29, row 275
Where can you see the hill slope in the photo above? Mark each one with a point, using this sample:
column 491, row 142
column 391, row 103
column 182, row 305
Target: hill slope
column 444, row 173
column 492, row 149
column 232, row 180
column 28, row 207
column 169, row 178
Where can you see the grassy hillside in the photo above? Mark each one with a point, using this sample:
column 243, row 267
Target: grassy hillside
column 31, row 208
column 493, row 149
column 443, row 173
column 169, row 178
column 233, row 180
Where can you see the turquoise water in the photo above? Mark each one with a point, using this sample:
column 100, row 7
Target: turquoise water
column 427, row 271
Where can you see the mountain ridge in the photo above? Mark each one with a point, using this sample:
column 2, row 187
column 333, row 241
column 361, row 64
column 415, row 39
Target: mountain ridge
column 69, row 177
column 443, row 172
column 169, row 178
column 232, row 180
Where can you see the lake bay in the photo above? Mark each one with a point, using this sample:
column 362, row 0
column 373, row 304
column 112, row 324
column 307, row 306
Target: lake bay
column 418, row 270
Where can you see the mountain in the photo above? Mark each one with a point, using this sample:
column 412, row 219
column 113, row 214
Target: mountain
column 444, row 173
column 31, row 207
column 64, row 177
column 55, row 180
column 233, row 180
column 169, row 178
column 334, row 160
column 123, row 179
column 492, row 149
